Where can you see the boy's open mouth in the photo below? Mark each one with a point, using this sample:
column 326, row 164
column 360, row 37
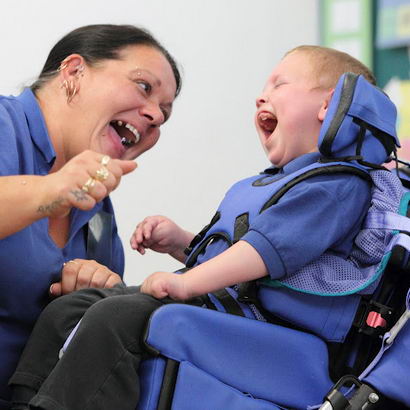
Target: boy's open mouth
column 267, row 122
column 127, row 133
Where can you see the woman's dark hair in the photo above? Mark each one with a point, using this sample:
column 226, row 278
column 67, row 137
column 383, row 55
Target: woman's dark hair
column 100, row 42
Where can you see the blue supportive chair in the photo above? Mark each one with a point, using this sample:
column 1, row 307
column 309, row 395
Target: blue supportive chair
column 206, row 359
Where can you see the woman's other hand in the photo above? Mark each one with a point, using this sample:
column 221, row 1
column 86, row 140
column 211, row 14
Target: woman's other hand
column 82, row 182
column 161, row 234
column 82, row 273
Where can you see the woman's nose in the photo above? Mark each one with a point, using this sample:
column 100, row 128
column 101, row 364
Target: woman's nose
column 153, row 113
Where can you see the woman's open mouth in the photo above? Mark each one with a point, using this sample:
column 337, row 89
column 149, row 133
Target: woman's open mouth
column 127, row 133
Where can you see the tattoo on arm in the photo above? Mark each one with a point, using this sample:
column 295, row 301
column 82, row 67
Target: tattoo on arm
column 49, row 208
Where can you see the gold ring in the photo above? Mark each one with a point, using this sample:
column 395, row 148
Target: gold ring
column 105, row 160
column 88, row 185
column 102, row 174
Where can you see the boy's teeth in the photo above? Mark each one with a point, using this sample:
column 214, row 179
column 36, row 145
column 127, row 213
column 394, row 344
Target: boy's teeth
column 266, row 116
column 119, row 123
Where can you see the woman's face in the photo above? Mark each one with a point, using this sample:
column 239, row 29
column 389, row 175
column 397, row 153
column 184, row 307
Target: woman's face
column 121, row 104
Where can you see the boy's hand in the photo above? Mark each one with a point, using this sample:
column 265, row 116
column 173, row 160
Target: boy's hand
column 163, row 284
column 161, row 234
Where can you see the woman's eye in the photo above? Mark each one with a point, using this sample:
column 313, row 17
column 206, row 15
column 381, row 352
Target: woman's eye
column 277, row 85
column 145, row 86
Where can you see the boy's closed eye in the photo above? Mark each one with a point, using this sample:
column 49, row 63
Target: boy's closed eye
column 278, row 84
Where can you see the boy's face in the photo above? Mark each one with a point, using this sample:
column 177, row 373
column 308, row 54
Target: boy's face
column 290, row 110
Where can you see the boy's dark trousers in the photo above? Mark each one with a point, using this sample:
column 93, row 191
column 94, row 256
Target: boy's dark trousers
column 99, row 369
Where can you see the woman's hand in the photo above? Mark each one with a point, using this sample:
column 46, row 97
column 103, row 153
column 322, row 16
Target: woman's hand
column 82, row 182
column 163, row 284
column 82, row 273
column 161, row 234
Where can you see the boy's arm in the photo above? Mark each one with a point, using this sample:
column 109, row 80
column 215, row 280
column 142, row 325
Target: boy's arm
column 239, row 263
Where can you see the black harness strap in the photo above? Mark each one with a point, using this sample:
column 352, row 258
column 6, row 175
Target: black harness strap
column 241, row 226
column 201, row 235
column 228, row 302
column 325, row 170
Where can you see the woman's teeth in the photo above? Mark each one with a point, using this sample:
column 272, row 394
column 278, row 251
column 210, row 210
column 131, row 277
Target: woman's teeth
column 134, row 131
column 126, row 141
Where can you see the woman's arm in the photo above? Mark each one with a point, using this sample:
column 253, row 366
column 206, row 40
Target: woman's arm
column 23, row 201
column 28, row 198
column 239, row 263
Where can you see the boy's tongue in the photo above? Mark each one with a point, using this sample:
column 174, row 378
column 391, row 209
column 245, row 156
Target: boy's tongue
column 267, row 122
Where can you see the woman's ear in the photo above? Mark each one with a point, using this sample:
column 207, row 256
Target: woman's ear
column 73, row 65
column 71, row 70
column 325, row 105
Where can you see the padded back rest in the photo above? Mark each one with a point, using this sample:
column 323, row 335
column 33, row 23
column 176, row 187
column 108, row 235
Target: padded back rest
column 359, row 107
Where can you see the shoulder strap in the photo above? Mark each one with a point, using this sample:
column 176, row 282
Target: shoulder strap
column 322, row 170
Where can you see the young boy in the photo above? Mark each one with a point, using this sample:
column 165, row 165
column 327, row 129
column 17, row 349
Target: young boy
column 99, row 370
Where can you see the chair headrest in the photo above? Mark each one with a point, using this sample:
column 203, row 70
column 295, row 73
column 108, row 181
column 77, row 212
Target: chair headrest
column 360, row 120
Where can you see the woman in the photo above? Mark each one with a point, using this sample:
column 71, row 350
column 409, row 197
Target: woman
column 65, row 143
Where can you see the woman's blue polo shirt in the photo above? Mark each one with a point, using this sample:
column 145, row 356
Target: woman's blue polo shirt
column 29, row 260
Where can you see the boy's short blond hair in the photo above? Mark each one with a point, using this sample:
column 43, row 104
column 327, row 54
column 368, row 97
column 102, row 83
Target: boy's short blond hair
column 329, row 64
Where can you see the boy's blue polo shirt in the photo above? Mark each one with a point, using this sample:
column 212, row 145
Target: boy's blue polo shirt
column 319, row 214
column 30, row 260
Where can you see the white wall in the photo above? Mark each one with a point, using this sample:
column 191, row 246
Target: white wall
column 226, row 49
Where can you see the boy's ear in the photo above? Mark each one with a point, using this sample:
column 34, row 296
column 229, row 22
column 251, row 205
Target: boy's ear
column 325, row 105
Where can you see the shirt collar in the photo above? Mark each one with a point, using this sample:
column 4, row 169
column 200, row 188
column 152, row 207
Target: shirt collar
column 301, row 162
column 294, row 165
column 37, row 125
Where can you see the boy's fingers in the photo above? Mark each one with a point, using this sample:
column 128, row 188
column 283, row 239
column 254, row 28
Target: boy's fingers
column 138, row 234
column 147, row 229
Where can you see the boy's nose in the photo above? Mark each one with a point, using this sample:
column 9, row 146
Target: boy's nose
column 260, row 100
